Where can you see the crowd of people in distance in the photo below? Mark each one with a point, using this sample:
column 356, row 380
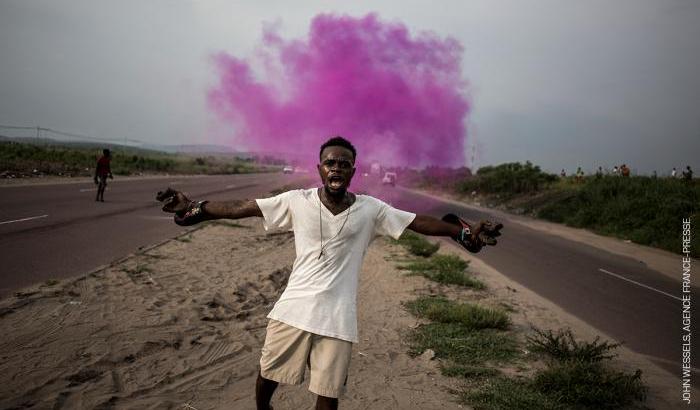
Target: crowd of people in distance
column 625, row 171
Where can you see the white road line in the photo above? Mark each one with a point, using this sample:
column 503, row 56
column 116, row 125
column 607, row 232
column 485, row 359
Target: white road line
column 24, row 219
column 92, row 189
column 230, row 186
column 639, row 284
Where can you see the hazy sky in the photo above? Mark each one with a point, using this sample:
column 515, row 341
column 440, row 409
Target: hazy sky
column 560, row 83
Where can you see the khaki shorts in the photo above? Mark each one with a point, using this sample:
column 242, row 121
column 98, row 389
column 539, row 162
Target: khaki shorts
column 288, row 350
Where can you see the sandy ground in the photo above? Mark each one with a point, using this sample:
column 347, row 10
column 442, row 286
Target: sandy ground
column 180, row 325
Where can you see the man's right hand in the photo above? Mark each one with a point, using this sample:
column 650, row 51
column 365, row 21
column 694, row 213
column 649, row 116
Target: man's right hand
column 173, row 201
column 187, row 212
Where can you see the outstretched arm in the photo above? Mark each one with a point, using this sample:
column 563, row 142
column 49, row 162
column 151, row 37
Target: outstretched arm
column 188, row 212
column 471, row 236
column 427, row 225
column 232, row 209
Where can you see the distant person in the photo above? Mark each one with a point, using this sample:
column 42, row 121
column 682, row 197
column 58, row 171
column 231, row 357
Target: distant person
column 615, row 170
column 687, row 173
column 562, row 173
column 599, row 173
column 102, row 172
column 314, row 322
column 624, row 170
column 674, row 173
column 579, row 174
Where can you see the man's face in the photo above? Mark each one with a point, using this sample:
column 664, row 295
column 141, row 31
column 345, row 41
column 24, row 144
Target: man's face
column 336, row 169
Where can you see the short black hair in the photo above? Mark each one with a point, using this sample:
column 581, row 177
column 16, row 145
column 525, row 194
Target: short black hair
column 338, row 141
column 106, row 152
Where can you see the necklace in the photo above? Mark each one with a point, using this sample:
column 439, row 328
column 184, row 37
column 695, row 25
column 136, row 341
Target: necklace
column 320, row 226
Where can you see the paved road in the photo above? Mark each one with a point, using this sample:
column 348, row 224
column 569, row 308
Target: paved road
column 57, row 231
column 618, row 295
column 590, row 283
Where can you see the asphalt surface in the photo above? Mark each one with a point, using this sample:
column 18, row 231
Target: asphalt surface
column 57, row 231
column 70, row 234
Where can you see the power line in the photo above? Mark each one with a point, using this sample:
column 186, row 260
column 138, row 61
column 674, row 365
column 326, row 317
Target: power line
column 69, row 134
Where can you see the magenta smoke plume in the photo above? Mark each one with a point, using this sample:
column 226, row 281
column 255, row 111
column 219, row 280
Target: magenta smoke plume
column 399, row 98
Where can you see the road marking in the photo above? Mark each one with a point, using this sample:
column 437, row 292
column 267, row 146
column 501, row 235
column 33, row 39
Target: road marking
column 92, row 189
column 230, row 186
column 24, row 219
column 639, row 284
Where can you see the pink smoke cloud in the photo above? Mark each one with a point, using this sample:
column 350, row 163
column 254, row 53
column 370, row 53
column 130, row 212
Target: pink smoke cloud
column 400, row 98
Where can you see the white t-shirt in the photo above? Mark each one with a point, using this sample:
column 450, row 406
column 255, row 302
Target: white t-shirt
column 321, row 293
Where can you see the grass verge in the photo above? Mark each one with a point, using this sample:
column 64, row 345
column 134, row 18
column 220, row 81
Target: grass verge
column 446, row 269
column 417, row 244
column 471, row 339
column 465, row 335
column 439, row 309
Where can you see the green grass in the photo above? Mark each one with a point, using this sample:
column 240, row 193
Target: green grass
column 473, row 317
column 508, row 179
column 502, row 393
column 563, row 346
column 575, row 377
column 589, row 385
column 642, row 209
column 23, row 158
column 470, row 340
column 461, row 333
column 417, row 244
column 446, row 269
column 462, row 345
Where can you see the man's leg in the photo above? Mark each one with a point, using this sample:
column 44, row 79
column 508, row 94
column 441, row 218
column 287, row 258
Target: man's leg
column 264, row 389
column 101, row 189
column 326, row 403
column 329, row 360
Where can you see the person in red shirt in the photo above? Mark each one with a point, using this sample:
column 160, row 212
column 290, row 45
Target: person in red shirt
column 102, row 172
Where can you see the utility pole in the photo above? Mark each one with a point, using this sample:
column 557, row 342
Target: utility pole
column 473, row 163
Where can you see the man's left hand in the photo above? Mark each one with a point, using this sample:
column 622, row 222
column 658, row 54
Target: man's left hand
column 474, row 237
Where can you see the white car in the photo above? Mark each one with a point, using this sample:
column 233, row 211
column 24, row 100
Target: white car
column 389, row 179
column 288, row 170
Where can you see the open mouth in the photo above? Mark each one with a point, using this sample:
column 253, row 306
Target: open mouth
column 336, row 181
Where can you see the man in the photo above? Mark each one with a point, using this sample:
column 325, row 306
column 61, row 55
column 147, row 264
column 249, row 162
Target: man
column 314, row 321
column 625, row 170
column 102, row 172
column 688, row 173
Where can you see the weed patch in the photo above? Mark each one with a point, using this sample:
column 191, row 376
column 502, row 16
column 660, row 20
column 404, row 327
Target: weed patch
column 417, row 244
column 462, row 345
column 589, row 385
column 446, row 269
column 562, row 346
column 502, row 393
column 473, row 317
